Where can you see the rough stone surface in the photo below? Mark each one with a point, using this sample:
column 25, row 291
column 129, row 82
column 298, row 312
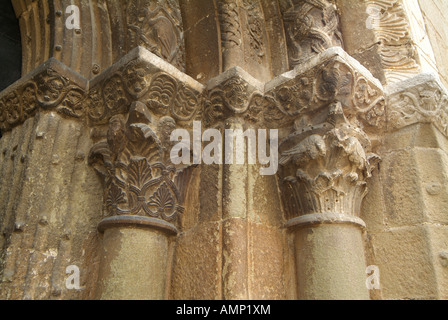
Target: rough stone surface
column 354, row 88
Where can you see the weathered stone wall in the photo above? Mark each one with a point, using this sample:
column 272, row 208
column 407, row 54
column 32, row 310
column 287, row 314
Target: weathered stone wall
column 48, row 210
column 87, row 178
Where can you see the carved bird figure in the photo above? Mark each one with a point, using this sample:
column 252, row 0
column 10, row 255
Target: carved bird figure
column 311, row 148
column 354, row 150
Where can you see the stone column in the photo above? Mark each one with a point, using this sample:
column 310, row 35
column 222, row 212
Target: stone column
column 45, row 180
column 251, row 212
column 327, row 171
column 141, row 206
column 324, row 167
column 135, row 259
column 143, row 99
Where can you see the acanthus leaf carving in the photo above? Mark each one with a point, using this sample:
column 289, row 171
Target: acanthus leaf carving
column 325, row 165
column 115, row 197
column 134, row 163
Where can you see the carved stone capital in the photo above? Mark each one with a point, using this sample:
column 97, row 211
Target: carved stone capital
column 139, row 179
column 143, row 99
column 422, row 99
column 328, row 77
column 325, row 165
column 337, row 108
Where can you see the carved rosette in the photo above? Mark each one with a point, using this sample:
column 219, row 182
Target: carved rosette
column 139, row 180
column 421, row 99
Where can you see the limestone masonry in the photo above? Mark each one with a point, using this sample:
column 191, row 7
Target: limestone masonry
column 119, row 180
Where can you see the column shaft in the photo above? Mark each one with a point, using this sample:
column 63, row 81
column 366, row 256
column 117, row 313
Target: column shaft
column 134, row 264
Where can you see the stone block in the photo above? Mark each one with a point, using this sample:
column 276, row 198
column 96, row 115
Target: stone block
column 401, row 189
column 196, row 272
column 268, row 261
column 405, row 261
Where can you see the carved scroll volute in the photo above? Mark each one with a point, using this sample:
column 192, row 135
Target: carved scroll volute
column 325, row 166
column 139, row 180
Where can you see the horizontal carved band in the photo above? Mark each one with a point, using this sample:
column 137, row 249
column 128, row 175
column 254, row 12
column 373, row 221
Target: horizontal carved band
column 139, row 76
column 144, row 77
column 52, row 86
column 324, row 218
column 421, row 99
column 136, row 221
column 329, row 76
